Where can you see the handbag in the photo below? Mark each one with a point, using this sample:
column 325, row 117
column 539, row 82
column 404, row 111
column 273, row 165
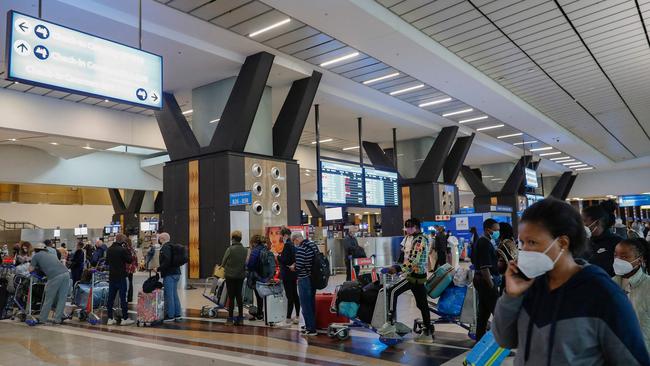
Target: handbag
column 219, row 271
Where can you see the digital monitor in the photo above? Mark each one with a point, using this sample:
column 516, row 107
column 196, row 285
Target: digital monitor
column 153, row 226
column 115, row 229
column 144, row 226
column 382, row 188
column 531, row 178
column 49, row 55
column 57, row 233
column 107, row 229
column 84, row 231
column 333, row 213
column 341, row 183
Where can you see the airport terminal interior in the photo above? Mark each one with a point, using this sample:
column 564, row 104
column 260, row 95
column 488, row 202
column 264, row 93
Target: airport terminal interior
column 398, row 158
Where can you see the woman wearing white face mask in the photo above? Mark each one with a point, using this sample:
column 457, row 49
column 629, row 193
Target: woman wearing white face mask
column 598, row 221
column 568, row 312
column 631, row 268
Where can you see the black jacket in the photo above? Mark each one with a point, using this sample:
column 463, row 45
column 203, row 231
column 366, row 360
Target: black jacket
column 287, row 258
column 602, row 251
column 166, row 268
column 117, row 257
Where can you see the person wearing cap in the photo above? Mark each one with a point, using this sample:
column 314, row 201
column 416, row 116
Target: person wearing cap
column 58, row 282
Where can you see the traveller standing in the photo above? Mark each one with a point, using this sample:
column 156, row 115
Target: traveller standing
column 63, row 253
column 99, row 253
column 441, row 246
column 350, row 244
column 506, row 251
column 57, row 286
column 117, row 258
column 51, row 249
column 171, row 274
column 305, row 252
column 289, row 278
column 485, row 275
column 631, row 267
column 131, row 268
column 567, row 312
column 598, row 221
column 78, row 263
column 234, row 264
column 25, row 254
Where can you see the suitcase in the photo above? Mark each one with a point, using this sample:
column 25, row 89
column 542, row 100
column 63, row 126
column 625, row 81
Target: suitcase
column 486, row 352
column 150, row 308
column 275, row 309
column 439, row 280
column 324, row 316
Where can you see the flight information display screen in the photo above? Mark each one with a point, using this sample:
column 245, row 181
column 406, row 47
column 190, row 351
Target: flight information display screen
column 381, row 188
column 341, row 183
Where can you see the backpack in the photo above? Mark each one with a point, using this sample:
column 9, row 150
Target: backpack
column 179, row 255
column 152, row 283
column 320, row 269
column 266, row 263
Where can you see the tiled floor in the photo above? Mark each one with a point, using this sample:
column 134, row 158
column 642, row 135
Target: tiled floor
column 196, row 341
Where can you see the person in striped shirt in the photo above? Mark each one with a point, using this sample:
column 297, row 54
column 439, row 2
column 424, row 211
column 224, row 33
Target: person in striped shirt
column 305, row 252
column 415, row 270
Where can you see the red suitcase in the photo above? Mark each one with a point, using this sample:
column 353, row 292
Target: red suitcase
column 324, row 316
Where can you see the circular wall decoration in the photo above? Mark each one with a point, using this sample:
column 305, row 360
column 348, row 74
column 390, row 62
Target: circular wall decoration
column 275, row 173
column 257, row 170
column 258, row 208
column 276, row 190
column 276, row 208
column 257, row 188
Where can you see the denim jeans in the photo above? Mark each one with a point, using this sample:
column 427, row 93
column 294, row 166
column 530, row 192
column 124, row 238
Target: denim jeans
column 307, row 302
column 173, row 304
column 113, row 288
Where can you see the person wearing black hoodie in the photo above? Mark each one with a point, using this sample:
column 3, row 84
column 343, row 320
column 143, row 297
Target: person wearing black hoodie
column 289, row 277
column 117, row 257
column 557, row 310
column 598, row 221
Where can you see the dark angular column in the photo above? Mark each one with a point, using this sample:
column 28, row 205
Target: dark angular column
column 117, row 200
column 456, row 158
column 569, row 185
column 377, row 156
column 291, row 120
column 158, row 203
column 474, row 181
column 561, row 185
column 316, row 213
column 176, row 132
column 238, row 115
column 433, row 163
column 511, row 186
column 136, row 201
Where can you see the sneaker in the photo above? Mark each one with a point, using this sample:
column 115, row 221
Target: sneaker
column 425, row 337
column 230, row 322
column 239, row 321
column 178, row 319
column 310, row 333
column 111, row 322
column 167, row 320
column 296, row 321
column 303, row 328
column 126, row 322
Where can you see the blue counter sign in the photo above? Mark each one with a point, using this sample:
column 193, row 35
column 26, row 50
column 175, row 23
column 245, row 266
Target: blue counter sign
column 49, row 55
column 241, row 198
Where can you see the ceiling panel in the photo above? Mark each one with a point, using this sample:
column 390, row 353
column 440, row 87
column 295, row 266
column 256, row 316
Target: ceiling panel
column 241, row 14
column 213, row 9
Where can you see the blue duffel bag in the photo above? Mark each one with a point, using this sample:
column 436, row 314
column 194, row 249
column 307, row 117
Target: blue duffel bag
column 100, row 295
column 451, row 300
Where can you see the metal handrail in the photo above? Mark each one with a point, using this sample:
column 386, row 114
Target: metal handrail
column 15, row 225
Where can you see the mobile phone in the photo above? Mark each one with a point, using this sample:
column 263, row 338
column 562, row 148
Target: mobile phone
column 521, row 275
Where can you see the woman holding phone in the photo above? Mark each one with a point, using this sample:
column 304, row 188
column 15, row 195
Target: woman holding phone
column 567, row 311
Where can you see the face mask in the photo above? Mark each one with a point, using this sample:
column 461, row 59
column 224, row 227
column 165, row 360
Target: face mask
column 535, row 264
column 495, row 235
column 623, row 267
column 588, row 232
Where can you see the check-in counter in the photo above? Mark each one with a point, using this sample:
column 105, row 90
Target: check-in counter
column 385, row 250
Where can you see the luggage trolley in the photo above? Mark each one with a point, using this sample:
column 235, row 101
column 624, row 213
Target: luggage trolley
column 215, row 292
column 87, row 297
column 380, row 318
column 7, row 275
column 28, row 297
column 466, row 319
column 93, row 310
column 367, row 268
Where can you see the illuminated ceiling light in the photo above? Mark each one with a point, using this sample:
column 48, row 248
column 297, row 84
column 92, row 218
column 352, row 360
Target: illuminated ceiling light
column 12, row 140
column 550, row 153
column 54, row 143
column 350, row 148
column 434, row 102
column 579, row 166
column 339, row 59
column 589, row 168
column 188, row 112
column 525, row 142
column 473, row 119
column 490, row 127
column 272, row 26
column 488, row 176
column 215, row 120
column 458, row 112
column 561, row 158
column 574, row 163
column 106, row 100
column 307, row 174
column 564, row 161
column 495, row 179
column 646, row 193
column 322, row 141
column 15, row 82
column 511, row 135
column 381, row 78
column 542, row 148
column 365, row 213
column 410, row 88
column 87, row 147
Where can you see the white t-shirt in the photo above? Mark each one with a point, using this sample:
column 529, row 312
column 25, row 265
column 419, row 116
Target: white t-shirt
column 407, row 244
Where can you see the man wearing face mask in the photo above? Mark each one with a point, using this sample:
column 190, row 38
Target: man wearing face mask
column 557, row 310
column 598, row 221
column 631, row 267
column 486, row 272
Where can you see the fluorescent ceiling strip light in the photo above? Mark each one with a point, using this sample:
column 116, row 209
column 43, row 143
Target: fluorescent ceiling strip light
column 589, row 168
column 525, row 142
column 551, row 153
column 215, row 120
column 488, row 176
column 574, row 163
column 189, row 111
column 381, row 78
column 339, row 59
column 54, row 143
column 490, row 127
column 458, row 112
column 322, row 141
column 350, row 148
column 87, row 148
column 579, row 166
column 495, row 179
column 542, row 148
column 434, row 102
column 562, row 158
column 473, row 119
column 511, row 135
column 564, row 161
column 272, row 26
column 410, row 88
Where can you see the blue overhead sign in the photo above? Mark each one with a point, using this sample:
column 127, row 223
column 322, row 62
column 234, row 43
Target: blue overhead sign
column 634, row 200
column 53, row 56
column 241, row 198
